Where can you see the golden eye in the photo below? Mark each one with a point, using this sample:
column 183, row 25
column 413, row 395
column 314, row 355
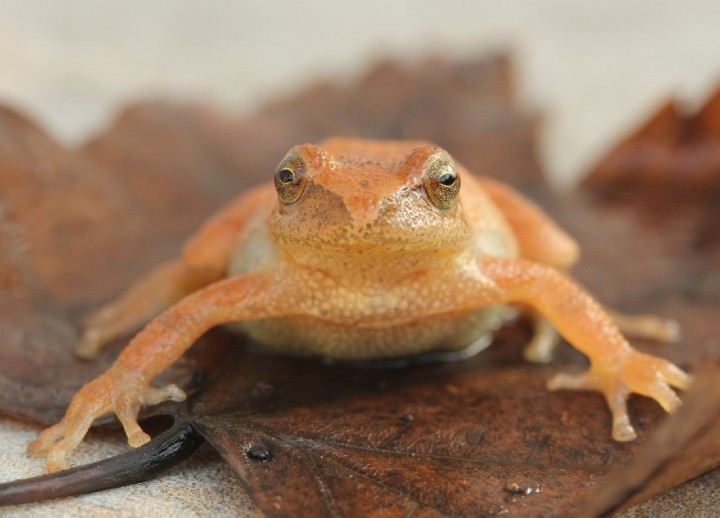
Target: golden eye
column 441, row 181
column 290, row 179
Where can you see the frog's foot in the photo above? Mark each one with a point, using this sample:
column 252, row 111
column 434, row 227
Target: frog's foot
column 650, row 327
column 114, row 391
column 98, row 331
column 634, row 372
column 545, row 339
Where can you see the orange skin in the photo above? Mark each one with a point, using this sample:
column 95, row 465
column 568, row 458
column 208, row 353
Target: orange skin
column 362, row 250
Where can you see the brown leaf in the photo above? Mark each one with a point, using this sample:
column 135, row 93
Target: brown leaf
column 468, row 438
column 675, row 149
column 439, row 438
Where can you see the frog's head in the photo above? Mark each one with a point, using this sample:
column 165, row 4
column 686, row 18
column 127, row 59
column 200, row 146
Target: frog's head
column 369, row 195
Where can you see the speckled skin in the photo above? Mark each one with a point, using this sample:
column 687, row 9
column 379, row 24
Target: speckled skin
column 361, row 250
column 369, row 273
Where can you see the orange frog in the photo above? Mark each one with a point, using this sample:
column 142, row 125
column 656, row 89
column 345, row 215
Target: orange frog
column 363, row 250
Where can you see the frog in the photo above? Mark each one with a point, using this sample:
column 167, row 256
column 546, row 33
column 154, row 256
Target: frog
column 364, row 250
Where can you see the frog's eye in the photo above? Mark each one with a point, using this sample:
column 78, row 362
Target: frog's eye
column 290, row 179
column 441, row 181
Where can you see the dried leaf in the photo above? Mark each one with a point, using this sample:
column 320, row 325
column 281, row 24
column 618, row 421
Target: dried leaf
column 480, row 436
column 676, row 151
column 445, row 438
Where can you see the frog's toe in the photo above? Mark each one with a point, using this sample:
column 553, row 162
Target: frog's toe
column 135, row 435
column 675, row 376
column 128, row 407
column 89, row 345
column 41, row 446
column 660, row 391
column 669, row 331
column 566, row 381
column 663, row 330
column 172, row 392
column 56, row 460
column 616, row 395
column 622, row 429
column 73, row 431
column 664, row 395
column 653, row 377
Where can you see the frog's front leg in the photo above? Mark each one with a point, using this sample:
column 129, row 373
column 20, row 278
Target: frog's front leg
column 616, row 370
column 204, row 260
column 125, row 387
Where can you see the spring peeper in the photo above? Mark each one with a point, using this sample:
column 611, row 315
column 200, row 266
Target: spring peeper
column 363, row 250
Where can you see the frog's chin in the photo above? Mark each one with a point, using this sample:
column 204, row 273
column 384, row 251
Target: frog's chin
column 378, row 239
column 372, row 246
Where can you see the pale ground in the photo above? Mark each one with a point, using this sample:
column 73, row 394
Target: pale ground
column 595, row 67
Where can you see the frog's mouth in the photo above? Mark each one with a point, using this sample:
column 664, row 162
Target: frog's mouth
column 376, row 240
column 404, row 222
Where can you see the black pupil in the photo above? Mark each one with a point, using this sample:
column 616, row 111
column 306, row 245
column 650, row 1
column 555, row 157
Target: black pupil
column 285, row 176
column 447, row 179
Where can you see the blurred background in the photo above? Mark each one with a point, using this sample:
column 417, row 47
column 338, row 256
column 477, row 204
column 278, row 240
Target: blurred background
column 595, row 69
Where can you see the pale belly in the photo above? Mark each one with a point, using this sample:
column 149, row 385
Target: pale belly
column 316, row 337
column 367, row 337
